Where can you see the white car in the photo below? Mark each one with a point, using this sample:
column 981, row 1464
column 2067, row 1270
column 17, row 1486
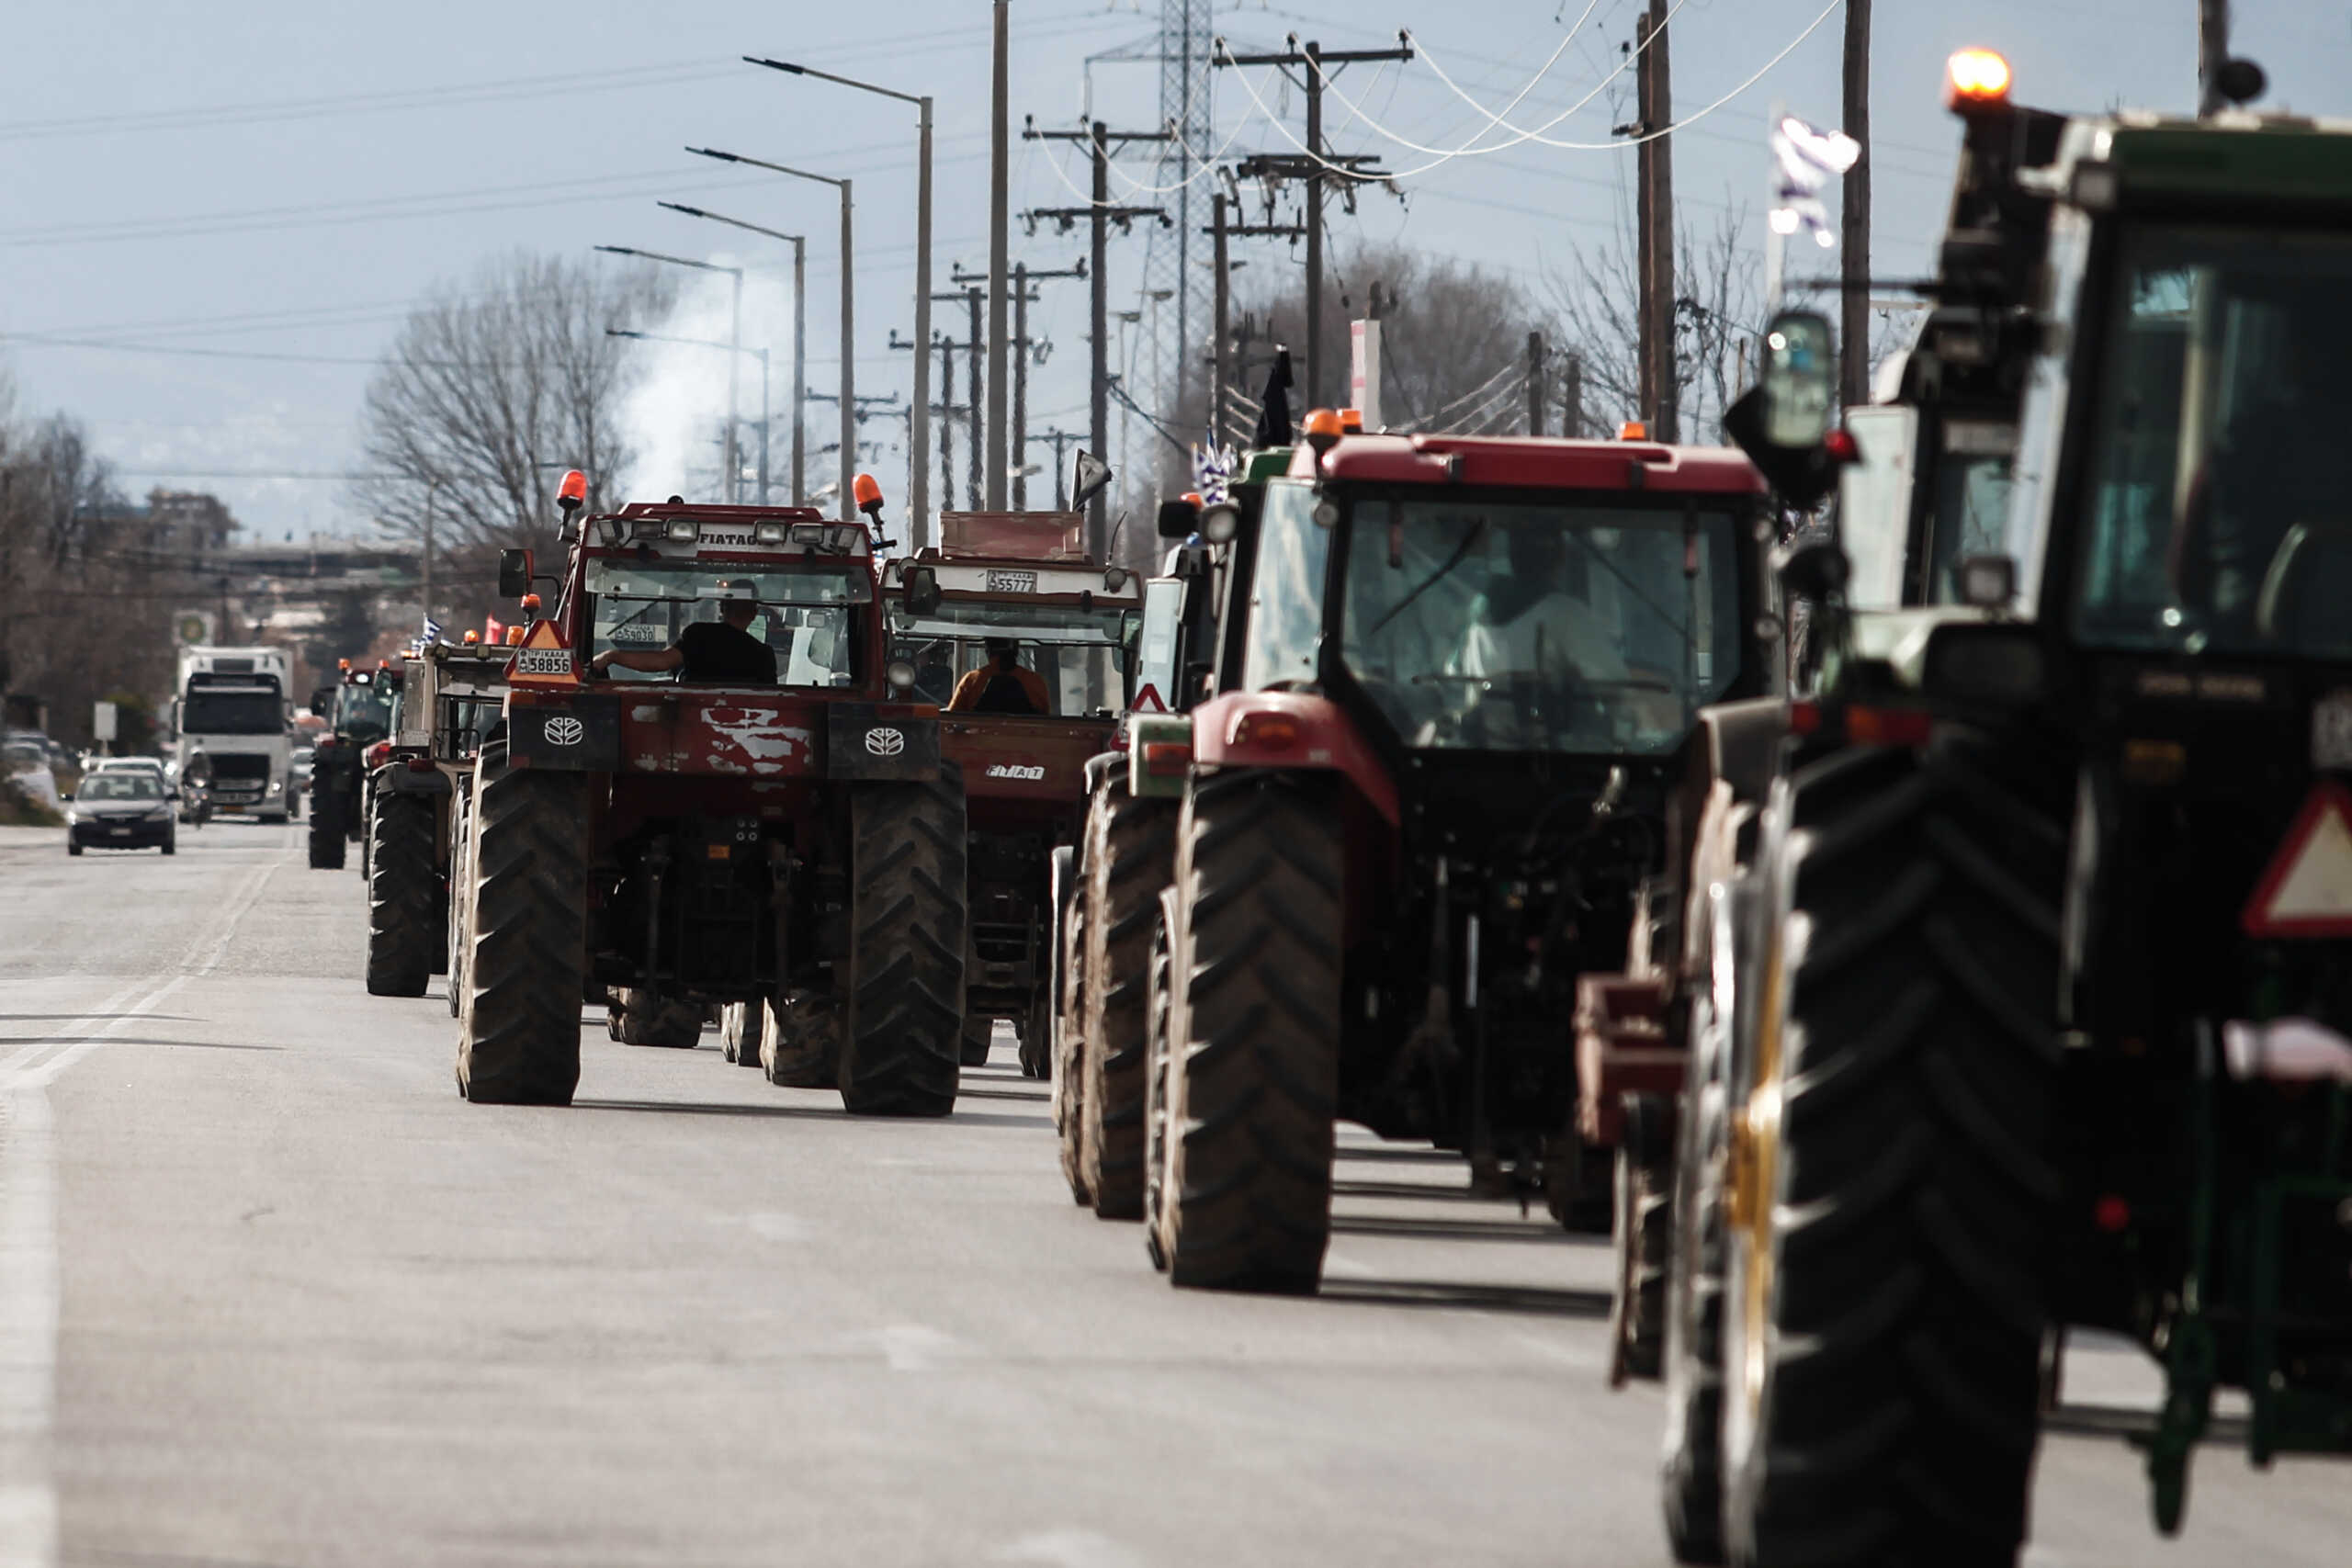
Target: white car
column 26, row 762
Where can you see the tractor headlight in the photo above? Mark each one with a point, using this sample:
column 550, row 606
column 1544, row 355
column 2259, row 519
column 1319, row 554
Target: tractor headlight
column 684, row 530
column 901, row 675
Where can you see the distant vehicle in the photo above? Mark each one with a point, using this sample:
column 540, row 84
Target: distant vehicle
column 299, row 768
column 232, row 706
column 24, row 760
column 154, row 766
column 125, row 809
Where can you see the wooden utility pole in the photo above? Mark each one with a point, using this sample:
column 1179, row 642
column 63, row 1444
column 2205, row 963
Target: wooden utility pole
column 1655, row 219
column 994, row 463
column 1225, row 368
column 1316, row 166
column 1099, row 215
column 1572, row 397
column 1854, row 217
column 2212, row 49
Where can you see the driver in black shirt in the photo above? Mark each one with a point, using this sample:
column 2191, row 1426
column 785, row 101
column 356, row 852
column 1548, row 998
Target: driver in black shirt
column 720, row 653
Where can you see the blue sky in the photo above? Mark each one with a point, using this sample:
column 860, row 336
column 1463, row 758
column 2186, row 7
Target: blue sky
column 338, row 159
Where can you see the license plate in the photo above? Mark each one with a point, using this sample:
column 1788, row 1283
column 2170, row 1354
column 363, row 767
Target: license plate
column 119, row 832
column 543, row 662
column 2331, row 731
column 1012, row 583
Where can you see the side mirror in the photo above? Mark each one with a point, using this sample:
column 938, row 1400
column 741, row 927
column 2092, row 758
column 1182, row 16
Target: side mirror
column 1179, row 519
column 923, row 590
column 1799, row 380
column 513, row 573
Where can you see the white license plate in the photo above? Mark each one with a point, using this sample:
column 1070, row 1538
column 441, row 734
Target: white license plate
column 2331, row 731
column 543, row 662
column 119, row 832
column 1012, row 583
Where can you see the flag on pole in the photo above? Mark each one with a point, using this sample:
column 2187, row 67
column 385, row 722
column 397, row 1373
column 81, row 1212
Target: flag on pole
column 432, row 630
column 1804, row 159
column 1213, row 470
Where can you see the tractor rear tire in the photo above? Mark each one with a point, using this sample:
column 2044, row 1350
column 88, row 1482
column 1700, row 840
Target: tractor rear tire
column 1069, row 1051
column 1889, row 1241
column 518, row 1024
column 801, row 1047
column 1253, row 1035
column 1134, row 856
column 1155, row 1094
column 645, row 1020
column 740, row 1024
column 1035, row 1033
column 453, row 918
column 326, row 839
column 404, row 899
column 978, row 1036
column 902, row 1036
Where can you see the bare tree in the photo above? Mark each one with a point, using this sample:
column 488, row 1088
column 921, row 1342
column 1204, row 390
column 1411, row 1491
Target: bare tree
column 493, row 389
column 1719, row 311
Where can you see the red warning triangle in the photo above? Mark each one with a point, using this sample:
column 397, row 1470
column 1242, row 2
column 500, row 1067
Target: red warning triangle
column 543, row 635
column 1147, row 700
column 2307, row 891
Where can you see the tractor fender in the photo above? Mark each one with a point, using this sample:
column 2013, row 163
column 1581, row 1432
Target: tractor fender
column 1294, row 731
column 1098, row 768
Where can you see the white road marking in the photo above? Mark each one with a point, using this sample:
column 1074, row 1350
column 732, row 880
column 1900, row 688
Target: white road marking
column 30, row 1286
column 1068, row 1548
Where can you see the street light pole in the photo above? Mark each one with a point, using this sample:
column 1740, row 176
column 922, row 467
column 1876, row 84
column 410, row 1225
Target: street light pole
column 849, row 313
column 734, row 465
column 998, row 240
column 919, row 416
column 799, row 333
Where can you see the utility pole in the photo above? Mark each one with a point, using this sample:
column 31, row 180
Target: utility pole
column 1099, row 214
column 1572, row 397
column 1019, row 350
column 994, row 463
column 2212, row 50
column 432, row 495
column 1225, row 368
column 1062, row 440
column 1654, row 218
column 1854, row 216
column 1317, row 167
column 1536, row 383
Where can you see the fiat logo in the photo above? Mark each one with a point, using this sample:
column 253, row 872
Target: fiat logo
column 885, row 742
column 564, row 730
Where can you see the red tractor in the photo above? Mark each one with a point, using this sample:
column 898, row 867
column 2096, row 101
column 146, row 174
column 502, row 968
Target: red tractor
column 1452, row 683
column 1026, row 643
column 714, row 786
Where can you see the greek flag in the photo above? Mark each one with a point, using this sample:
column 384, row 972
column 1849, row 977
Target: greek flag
column 1803, row 159
column 432, row 631
column 1213, row 470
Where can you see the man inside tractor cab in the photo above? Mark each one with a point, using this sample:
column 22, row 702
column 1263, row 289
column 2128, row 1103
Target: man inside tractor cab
column 1528, row 624
column 1002, row 685
column 720, row 653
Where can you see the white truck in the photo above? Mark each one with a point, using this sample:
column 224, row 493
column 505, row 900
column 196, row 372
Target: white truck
column 233, row 707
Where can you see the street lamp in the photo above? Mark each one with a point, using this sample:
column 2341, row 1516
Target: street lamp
column 919, row 421
column 734, row 464
column 724, row 348
column 799, row 334
column 849, row 312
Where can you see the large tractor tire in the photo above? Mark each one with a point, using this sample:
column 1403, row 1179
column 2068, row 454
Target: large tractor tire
column 977, row 1039
column 518, row 1023
column 1894, row 1181
column 740, row 1024
column 1034, row 1034
column 404, row 907
column 802, row 1046
column 1641, row 1234
column 1132, row 858
column 640, row 1018
column 461, row 878
column 1690, row 1483
column 902, row 1036
column 326, row 838
column 1253, row 1035
column 1069, row 1051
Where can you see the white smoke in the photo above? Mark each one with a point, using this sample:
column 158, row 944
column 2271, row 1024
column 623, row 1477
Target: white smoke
column 676, row 414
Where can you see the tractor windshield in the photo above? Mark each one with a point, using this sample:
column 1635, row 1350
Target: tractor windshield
column 364, row 711
column 808, row 617
column 1531, row 625
column 1080, row 653
column 2216, row 518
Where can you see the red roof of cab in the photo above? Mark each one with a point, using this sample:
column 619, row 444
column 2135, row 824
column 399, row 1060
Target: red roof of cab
column 1534, row 463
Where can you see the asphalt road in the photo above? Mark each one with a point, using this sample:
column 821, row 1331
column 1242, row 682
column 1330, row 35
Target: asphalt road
column 271, row 1294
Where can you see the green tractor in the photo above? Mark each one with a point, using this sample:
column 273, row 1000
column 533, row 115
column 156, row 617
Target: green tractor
column 2018, row 997
column 361, row 705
